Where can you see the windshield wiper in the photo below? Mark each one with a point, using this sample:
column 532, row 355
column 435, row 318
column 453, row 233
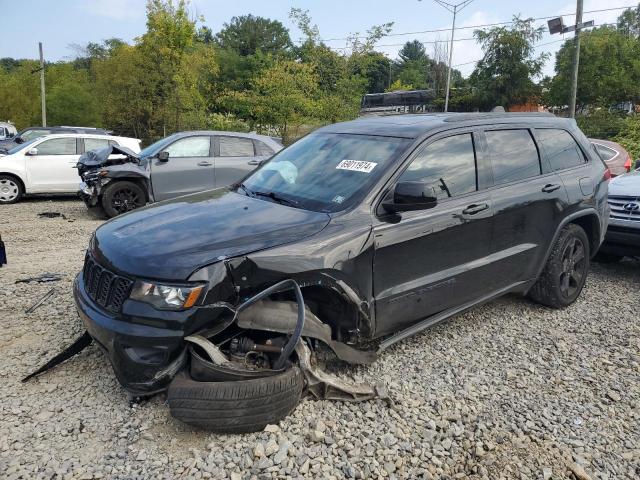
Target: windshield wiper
column 246, row 190
column 277, row 198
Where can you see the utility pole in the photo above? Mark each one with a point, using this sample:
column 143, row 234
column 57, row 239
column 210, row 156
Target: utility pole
column 42, row 91
column 453, row 8
column 556, row 25
column 576, row 61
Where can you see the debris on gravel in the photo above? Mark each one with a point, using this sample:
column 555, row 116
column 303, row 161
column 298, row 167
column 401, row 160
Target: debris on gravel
column 507, row 390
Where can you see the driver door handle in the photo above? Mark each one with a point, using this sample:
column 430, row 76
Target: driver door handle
column 475, row 208
column 204, row 164
column 253, row 162
column 550, row 187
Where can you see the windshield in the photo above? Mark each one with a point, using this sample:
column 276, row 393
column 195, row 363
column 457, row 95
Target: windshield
column 33, row 134
column 155, row 147
column 325, row 172
column 19, row 147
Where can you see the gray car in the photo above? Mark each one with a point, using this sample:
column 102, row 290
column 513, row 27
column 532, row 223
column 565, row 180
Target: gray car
column 117, row 180
column 623, row 234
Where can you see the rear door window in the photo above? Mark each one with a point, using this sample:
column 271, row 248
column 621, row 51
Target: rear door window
column 57, row 146
column 235, row 147
column 95, row 143
column 561, row 148
column 262, row 149
column 514, row 155
column 447, row 166
column 190, row 147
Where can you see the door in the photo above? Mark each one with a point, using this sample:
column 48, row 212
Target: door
column 235, row 158
column 527, row 199
column 189, row 169
column 52, row 169
column 431, row 260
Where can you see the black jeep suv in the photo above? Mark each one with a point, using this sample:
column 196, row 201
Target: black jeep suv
column 387, row 224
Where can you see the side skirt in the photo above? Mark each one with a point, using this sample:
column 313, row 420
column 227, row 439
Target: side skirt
column 435, row 319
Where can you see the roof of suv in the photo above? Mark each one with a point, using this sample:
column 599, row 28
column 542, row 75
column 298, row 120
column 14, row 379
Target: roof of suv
column 416, row 125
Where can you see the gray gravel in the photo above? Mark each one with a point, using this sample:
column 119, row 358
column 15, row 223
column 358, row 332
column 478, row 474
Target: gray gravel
column 508, row 390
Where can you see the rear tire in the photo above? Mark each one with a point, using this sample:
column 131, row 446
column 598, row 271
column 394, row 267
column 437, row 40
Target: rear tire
column 122, row 197
column 565, row 272
column 11, row 189
column 237, row 406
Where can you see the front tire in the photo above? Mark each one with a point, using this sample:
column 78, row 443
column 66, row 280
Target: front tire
column 240, row 406
column 11, row 190
column 121, row 197
column 565, row 272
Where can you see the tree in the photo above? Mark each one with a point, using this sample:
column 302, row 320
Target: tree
column 629, row 22
column 609, row 70
column 505, row 76
column 282, row 97
column 247, row 35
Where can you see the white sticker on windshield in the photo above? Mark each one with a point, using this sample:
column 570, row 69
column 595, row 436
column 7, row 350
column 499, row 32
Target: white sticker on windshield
column 356, row 165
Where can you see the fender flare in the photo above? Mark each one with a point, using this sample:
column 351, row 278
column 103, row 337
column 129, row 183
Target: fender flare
column 565, row 221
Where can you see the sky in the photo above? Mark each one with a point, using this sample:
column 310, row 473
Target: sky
column 60, row 24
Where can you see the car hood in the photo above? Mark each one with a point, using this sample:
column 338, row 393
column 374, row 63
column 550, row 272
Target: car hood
column 626, row 185
column 170, row 240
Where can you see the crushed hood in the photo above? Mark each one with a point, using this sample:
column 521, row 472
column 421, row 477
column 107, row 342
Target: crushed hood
column 170, row 240
column 100, row 158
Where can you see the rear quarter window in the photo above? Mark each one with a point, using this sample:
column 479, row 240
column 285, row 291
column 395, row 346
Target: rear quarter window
column 561, row 149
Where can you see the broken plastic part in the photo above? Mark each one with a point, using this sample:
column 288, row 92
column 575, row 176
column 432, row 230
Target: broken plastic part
column 216, row 356
column 76, row 347
column 325, row 386
column 281, row 317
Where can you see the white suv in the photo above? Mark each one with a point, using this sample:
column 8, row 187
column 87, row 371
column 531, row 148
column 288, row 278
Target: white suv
column 47, row 164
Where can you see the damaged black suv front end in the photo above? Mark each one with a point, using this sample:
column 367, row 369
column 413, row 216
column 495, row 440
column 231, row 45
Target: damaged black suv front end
column 144, row 344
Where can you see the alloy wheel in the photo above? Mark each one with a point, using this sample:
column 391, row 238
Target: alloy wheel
column 573, row 267
column 125, row 200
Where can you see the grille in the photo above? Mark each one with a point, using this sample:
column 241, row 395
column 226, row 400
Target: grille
column 617, row 203
column 104, row 287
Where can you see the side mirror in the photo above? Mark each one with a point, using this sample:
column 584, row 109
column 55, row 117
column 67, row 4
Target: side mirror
column 19, row 139
column 32, row 152
column 163, row 156
column 410, row 196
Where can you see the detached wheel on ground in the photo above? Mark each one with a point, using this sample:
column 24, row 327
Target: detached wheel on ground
column 238, row 406
column 566, row 270
column 121, row 197
column 11, row 189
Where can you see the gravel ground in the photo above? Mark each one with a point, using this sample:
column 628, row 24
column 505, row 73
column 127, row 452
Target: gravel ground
column 508, row 390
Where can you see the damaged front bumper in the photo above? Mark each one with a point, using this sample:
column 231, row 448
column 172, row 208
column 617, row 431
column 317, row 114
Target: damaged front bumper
column 145, row 351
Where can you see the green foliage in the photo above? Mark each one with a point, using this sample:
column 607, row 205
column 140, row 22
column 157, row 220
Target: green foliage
column 629, row 136
column 247, row 35
column 601, row 124
column 629, row 22
column 609, row 69
column 505, row 76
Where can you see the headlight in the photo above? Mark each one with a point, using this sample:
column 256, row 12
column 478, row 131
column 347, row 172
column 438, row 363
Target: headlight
column 166, row 297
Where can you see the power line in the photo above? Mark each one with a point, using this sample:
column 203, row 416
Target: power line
column 485, row 25
column 538, row 45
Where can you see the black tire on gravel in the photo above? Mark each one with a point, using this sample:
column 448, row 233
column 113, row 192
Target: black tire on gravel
column 121, row 197
column 606, row 257
column 235, row 407
column 565, row 272
column 11, row 189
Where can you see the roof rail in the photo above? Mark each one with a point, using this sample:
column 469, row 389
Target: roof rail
column 461, row 117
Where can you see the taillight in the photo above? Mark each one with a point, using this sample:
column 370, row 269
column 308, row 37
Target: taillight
column 607, row 174
column 627, row 164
